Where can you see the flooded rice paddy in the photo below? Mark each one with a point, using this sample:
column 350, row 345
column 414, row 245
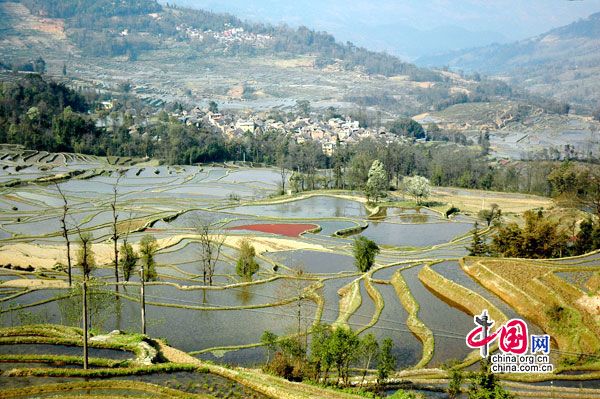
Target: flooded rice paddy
column 224, row 323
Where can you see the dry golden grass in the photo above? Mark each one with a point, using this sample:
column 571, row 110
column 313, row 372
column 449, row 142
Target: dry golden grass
column 350, row 301
column 535, row 292
column 35, row 283
column 472, row 201
column 47, row 256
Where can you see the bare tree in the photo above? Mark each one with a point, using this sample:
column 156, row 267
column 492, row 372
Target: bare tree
column 65, row 231
column 297, row 285
column 283, row 169
column 210, row 249
column 115, row 232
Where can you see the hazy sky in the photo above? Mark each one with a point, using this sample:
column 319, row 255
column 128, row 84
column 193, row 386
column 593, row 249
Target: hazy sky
column 395, row 26
column 514, row 18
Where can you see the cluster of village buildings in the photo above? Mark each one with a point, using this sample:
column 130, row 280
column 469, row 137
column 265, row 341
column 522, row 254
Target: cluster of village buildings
column 227, row 36
column 328, row 133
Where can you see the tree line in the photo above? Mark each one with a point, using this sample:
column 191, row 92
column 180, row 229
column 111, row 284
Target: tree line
column 49, row 116
column 331, row 351
column 45, row 116
column 572, row 185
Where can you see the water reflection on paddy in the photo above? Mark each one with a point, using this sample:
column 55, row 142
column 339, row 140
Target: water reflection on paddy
column 414, row 235
column 449, row 325
column 314, row 261
column 392, row 324
column 314, row 207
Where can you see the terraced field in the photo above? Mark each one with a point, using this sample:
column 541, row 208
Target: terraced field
column 418, row 293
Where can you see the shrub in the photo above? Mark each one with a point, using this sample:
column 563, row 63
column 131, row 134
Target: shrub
column 452, row 211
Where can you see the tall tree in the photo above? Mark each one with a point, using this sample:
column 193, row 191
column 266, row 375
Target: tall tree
column 303, row 107
column 115, row 229
column 338, row 162
column 65, row 230
column 85, row 260
column 377, row 181
column 319, row 350
column 343, row 346
column 85, row 255
column 282, row 165
column 364, row 251
column 39, row 66
column 296, row 286
column 358, row 170
column 130, row 257
column 407, row 127
column 454, row 385
column 486, row 385
column 540, row 238
column 478, row 246
column 213, row 107
column 129, row 260
column 148, row 248
column 269, row 341
column 494, row 213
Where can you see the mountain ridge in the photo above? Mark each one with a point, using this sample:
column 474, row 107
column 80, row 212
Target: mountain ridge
column 563, row 62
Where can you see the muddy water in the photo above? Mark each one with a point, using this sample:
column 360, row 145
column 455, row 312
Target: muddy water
column 186, row 329
column 195, row 383
column 331, row 298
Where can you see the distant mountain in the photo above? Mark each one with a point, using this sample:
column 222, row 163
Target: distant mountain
column 411, row 43
column 389, row 25
column 168, row 54
column 572, row 44
column 564, row 62
column 398, row 37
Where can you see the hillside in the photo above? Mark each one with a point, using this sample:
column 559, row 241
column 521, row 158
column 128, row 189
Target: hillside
column 564, row 62
column 519, row 131
column 171, row 54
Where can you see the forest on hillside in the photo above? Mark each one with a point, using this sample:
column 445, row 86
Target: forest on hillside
column 96, row 27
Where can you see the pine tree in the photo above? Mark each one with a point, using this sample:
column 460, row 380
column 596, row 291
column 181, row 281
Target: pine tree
column 478, row 246
column 148, row 248
column 246, row 265
column 130, row 258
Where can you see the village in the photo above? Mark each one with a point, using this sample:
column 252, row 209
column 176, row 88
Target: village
column 227, row 37
column 329, row 133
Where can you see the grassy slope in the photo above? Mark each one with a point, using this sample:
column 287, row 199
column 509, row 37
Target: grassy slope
column 421, row 331
column 532, row 290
